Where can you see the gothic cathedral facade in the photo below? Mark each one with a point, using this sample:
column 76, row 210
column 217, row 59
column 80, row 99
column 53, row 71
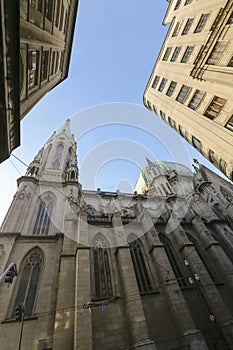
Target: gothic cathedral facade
column 110, row 270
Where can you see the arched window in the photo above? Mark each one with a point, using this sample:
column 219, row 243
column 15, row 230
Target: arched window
column 173, row 260
column 29, row 279
column 141, row 268
column 101, row 268
column 43, row 218
column 58, row 155
column 90, row 211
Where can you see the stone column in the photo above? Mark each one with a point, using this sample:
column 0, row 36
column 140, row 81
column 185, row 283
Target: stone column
column 183, row 321
column 64, row 319
column 138, row 329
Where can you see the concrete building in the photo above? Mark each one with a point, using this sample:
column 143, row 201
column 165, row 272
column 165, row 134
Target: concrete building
column 190, row 87
column 35, row 47
column 110, row 270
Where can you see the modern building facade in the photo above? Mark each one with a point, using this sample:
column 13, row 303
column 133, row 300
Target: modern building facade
column 190, row 87
column 110, row 270
column 35, row 47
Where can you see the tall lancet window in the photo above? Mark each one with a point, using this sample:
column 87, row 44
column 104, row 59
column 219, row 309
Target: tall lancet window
column 141, row 268
column 101, row 268
column 58, row 155
column 43, row 218
column 173, row 259
column 29, row 281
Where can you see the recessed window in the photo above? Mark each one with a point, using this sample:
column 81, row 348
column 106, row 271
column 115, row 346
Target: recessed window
column 162, row 114
column 155, row 109
column 196, row 143
column 187, row 26
column 188, row 2
column 175, row 53
column 212, row 157
column 196, row 99
column 33, row 68
column 183, row 94
column 162, row 84
column 216, row 53
column 176, row 29
column 201, row 22
column 37, row 4
column 230, row 64
column 49, row 9
column 171, row 88
column 222, row 165
column 155, row 82
column 61, row 18
column 167, row 53
column 182, row 131
column 177, row 4
column 230, row 20
column 215, row 107
column 229, row 124
column 148, row 104
column 44, row 65
column 187, row 54
column 171, row 122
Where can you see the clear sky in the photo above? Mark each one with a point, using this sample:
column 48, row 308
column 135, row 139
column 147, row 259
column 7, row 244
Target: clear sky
column 115, row 47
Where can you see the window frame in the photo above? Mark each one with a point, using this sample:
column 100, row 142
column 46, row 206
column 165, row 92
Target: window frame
column 155, row 82
column 216, row 53
column 230, row 122
column 196, row 99
column 187, row 26
column 202, row 22
column 176, row 29
column 187, row 54
column 162, row 84
column 171, row 88
column 215, row 107
column 167, row 53
column 183, row 93
column 175, row 54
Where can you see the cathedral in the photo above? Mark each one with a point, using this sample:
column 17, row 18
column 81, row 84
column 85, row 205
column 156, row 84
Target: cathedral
column 149, row 270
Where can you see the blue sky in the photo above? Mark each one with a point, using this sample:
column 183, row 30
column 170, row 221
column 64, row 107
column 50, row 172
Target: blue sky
column 115, row 47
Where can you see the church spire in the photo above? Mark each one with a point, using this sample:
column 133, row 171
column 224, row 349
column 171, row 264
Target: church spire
column 57, row 160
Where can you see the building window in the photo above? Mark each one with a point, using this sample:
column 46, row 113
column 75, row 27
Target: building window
column 196, row 99
column 230, row 64
column 162, row 114
column 155, row 109
column 182, row 131
column 173, row 260
column 167, row 53
column 175, row 53
column 187, row 54
column 58, row 5
column 155, row 82
column 212, row 157
column 49, row 9
column 52, row 63
column 149, row 104
column 196, row 143
column 230, row 20
column 58, row 156
column 37, row 4
column 229, row 124
column 61, row 18
column 44, row 65
column 43, row 218
column 216, row 53
column 187, row 26
column 141, row 268
column 33, row 68
column 102, row 274
column 29, row 280
column 177, row 5
column 222, row 165
column 201, row 22
column 188, row 2
column 215, row 107
column 171, row 122
column 176, row 29
column 171, row 88
column 162, row 84
column 183, row 94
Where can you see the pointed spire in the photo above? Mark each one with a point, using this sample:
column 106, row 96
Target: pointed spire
column 149, row 162
column 66, row 128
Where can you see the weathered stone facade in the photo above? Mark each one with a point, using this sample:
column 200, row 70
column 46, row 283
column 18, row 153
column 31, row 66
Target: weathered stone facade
column 109, row 270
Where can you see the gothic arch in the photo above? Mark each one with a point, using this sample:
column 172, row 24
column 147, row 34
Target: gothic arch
column 173, row 259
column 101, row 267
column 58, row 156
column 45, row 207
column 140, row 264
column 28, row 282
